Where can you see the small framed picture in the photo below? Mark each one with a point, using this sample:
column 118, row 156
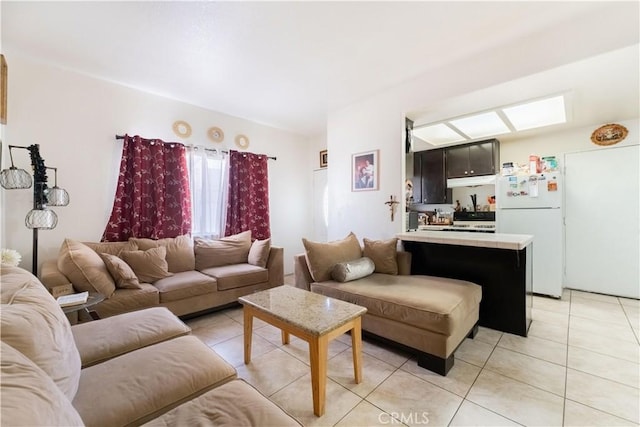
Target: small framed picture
column 364, row 171
column 323, row 159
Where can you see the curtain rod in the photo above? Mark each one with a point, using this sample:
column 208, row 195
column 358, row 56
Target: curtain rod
column 206, row 149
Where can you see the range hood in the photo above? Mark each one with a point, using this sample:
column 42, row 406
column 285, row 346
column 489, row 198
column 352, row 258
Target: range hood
column 471, row 181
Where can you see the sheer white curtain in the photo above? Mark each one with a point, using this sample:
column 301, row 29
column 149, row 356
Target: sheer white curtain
column 208, row 179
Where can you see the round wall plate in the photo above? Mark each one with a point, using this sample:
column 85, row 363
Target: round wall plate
column 242, row 141
column 609, row 134
column 215, row 134
column 182, row 128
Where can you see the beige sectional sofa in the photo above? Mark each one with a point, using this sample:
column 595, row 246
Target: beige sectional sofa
column 130, row 369
column 428, row 316
column 185, row 275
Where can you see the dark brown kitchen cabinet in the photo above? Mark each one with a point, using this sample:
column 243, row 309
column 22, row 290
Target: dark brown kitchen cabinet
column 480, row 158
column 429, row 180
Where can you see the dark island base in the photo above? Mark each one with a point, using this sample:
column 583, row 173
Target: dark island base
column 505, row 276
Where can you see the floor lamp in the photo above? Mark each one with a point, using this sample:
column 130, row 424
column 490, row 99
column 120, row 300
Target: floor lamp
column 40, row 217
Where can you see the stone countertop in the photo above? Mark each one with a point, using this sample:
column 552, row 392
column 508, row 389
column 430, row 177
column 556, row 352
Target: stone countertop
column 314, row 313
column 469, row 238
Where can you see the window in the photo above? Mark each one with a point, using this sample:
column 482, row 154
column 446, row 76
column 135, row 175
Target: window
column 208, row 179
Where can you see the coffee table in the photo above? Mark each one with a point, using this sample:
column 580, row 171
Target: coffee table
column 311, row 317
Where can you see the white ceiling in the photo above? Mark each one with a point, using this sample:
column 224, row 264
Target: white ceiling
column 286, row 64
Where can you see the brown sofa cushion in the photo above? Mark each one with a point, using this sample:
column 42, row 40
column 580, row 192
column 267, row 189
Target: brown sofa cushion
column 180, row 256
column 433, row 303
column 33, row 323
column 222, row 405
column 84, row 268
column 185, row 285
column 30, row 397
column 129, row 300
column 237, row 275
column 352, row 270
column 225, row 251
column 259, row 252
column 111, row 248
column 149, row 265
column 321, row 257
column 122, row 274
column 116, row 392
column 383, row 253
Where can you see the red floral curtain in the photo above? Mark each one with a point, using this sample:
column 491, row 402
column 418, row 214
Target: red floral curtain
column 152, row 198
column 248, row 201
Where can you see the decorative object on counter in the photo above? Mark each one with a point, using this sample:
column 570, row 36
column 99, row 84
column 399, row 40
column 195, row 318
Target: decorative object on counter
column 182, row 128
column 242, row 141
column 364, row 171
column 408, row 191
column 10, row 257
column 40, row 217
column 324, row 159
column 609, row 134
column 458, row 207
column 392, row 202
column 215, row 134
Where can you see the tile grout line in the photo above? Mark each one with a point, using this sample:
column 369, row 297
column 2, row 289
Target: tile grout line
column 566, row 362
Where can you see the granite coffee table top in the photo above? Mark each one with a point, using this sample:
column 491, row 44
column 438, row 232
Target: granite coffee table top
column 314, row 313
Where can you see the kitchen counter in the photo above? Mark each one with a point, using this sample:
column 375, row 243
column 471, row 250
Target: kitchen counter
column 468, row 238
column 501, row 263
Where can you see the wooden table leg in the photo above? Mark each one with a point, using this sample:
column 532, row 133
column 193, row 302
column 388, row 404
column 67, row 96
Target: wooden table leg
column 285, row 337
column 318, row 358
column 356, row 345
column 248, row 332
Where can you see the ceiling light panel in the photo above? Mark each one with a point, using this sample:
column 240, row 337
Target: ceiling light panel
column 438, row 134
column 536, row 114
column 481, row 125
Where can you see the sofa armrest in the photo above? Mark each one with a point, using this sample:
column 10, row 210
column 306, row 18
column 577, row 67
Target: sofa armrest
column 301, row 272
column 404, row 263
column 275, row 265
column 51, row 277
column 113, row 336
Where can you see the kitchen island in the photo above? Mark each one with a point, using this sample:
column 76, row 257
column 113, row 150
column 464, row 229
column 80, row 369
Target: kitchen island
column 500, row 263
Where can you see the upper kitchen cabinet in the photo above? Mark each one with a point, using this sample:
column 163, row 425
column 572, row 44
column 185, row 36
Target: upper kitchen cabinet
column 480, row 158
column 429, row 177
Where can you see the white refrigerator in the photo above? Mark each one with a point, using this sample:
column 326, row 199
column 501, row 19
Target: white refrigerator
column 532, row 204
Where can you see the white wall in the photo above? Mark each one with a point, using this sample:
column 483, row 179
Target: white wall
column 378, row 121
column 74, row 119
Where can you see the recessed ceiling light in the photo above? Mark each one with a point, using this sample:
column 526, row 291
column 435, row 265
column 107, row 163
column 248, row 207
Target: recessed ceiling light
column 438, row 134
column 481, row 125
column 536, row 114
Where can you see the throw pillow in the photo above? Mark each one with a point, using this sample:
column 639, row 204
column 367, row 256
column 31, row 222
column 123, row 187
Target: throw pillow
column 352, row 270
column 321, row 257
column 259, row 252
column 123, row 275
column 225, row 251
column 180, row 256
column 112, row 248
column 150, row 265
column 383, row 253
column 84, row 268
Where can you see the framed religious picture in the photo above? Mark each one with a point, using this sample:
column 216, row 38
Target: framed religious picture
column 364, row 171
column 323, row 159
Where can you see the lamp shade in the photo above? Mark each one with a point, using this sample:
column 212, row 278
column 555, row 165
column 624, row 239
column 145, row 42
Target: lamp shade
column 14, row 178
column 57, row 197
column 43, row 219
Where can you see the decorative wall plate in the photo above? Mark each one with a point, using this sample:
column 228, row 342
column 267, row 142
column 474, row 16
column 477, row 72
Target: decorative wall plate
column 242, row 141
column 609, row 134
column 182, row 128
column 215, row 134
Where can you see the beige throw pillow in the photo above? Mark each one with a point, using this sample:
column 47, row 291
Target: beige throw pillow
column 84, row 268
column 180, row 256
column 225, row 251
column 259, row 252
column 352, row 270
column 322, row 257
column 383, row 253
column 123, row 275
column 150, row 265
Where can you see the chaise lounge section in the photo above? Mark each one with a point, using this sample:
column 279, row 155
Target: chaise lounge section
column 428, row 316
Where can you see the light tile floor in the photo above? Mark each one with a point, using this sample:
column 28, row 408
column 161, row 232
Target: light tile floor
column 580, row 366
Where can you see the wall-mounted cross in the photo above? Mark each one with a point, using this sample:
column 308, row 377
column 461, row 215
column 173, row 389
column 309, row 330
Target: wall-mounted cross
column 392, row 202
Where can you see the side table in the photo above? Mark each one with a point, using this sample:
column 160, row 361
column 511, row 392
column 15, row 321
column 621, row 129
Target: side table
column 92, row 300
